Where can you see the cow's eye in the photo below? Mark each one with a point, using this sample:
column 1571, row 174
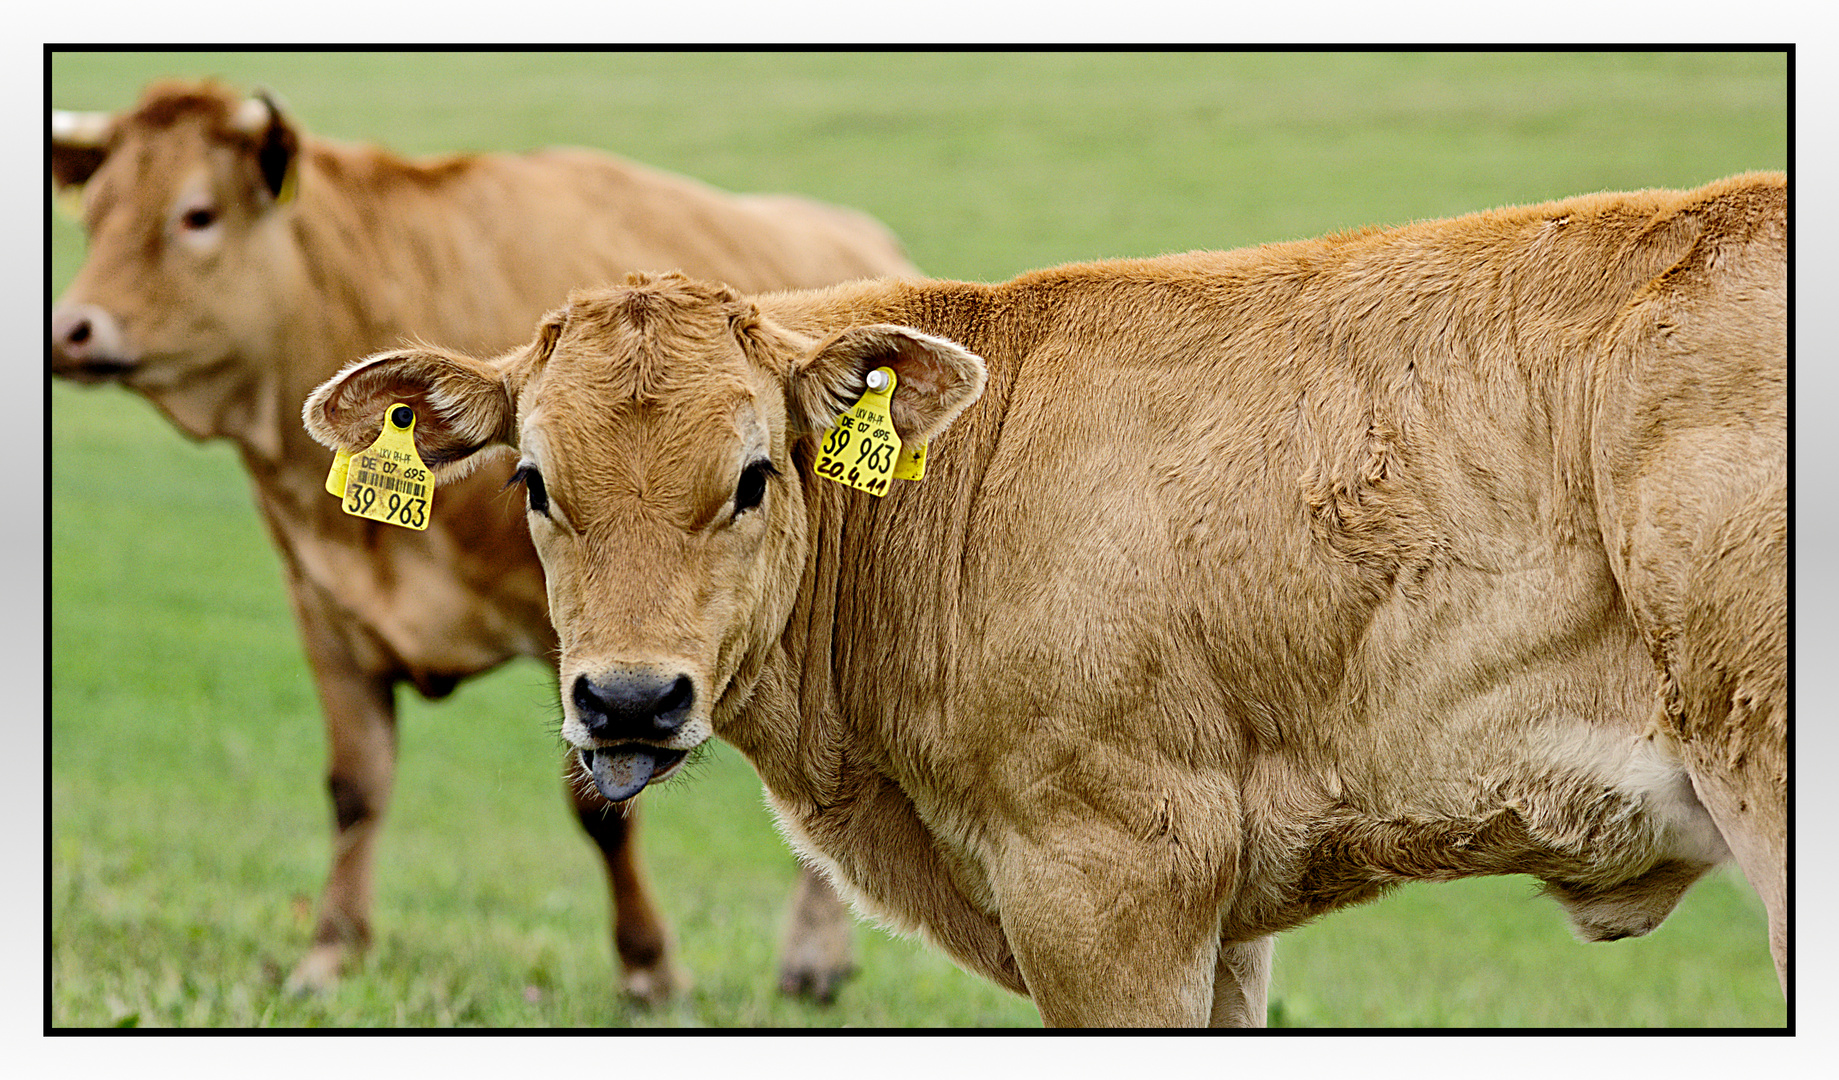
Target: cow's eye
column 752, row 488
column 199, row 218
column 533, row 488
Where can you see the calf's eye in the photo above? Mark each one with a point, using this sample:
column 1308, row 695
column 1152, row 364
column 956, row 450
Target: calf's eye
column 752, row 488
column 534, row 490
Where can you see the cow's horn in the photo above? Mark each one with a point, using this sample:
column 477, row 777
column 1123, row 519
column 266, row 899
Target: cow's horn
column 253, row 115
column 79, row 128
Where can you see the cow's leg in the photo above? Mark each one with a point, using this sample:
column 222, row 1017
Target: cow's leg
column 360, row 715
column 817, row 950
column 1101, row 943
column 1732, row 681
column 1241, row 983
column 640, row 938
column 1689, row 438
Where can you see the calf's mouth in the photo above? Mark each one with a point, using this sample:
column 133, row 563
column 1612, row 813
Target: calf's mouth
column 620, row 772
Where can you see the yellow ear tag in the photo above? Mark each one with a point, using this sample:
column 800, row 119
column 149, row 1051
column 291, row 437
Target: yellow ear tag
column 912, row 463
column 290, row 183
column 335, row 480
column 388, row 482
column 861, row 449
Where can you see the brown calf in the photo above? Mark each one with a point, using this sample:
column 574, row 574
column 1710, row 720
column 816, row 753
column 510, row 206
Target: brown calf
column 1239, row 587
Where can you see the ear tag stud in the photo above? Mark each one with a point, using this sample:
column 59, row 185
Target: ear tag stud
column 862, row 449
column 388, row 482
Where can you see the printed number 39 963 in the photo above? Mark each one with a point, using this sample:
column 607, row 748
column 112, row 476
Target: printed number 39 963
column 411, row 512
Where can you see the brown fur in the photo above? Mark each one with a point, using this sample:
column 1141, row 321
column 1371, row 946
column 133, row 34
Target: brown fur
column 376, row 251
column 1251, row 583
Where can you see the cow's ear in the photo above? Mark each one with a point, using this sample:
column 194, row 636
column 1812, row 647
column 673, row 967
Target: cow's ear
column 79, row 144
column 277, row 144
column 462, row 406
column 936, row 379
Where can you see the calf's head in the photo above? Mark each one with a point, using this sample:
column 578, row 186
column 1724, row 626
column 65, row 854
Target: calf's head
column 655, row 425
column 184, row 200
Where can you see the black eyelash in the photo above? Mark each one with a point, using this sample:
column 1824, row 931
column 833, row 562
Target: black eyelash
column 752, row 488
column 532, row 481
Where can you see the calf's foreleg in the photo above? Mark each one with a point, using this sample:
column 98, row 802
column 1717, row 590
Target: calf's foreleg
column 1241, row 983
column 1101, row 943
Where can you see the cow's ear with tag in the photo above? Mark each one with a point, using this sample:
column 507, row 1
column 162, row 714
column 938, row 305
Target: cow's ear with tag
column 276, row 144
column 462, row 406
column 936, row 378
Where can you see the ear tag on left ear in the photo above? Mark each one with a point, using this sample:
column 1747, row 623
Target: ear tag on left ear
column 862, row 448
column 388, row 482
column 335, row 480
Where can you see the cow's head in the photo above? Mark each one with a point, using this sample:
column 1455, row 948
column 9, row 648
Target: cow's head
column 655, row 425
column 184, row 200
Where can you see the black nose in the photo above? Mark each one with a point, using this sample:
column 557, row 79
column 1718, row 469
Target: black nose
column 632, row 706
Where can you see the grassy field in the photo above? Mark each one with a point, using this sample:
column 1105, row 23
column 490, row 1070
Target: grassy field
column 189, row 830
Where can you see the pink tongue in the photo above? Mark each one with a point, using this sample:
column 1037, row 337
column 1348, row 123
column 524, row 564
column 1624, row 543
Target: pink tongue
column 623, row 772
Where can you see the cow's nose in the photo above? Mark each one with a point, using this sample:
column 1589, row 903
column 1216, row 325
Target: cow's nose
column 632, row 706
column 72, row 330
column 82, row 332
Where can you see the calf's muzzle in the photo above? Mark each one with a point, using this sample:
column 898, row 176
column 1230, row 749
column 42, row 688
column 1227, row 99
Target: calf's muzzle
column 626, row 714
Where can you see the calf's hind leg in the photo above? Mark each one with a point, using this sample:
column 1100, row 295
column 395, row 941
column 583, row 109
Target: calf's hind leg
column 817, row 950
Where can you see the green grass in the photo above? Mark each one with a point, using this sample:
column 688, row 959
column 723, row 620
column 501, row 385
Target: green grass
column 189, row 831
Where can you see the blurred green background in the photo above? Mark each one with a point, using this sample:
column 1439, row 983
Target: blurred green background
column 189, row 831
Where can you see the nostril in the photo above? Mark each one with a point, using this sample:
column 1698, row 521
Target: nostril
column 71, row 330
column 588, row 702
column 677, row 699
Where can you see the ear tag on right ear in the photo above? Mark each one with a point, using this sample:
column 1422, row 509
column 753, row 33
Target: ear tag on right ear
column 387, row 482
column 912, row 463
column 861, row 449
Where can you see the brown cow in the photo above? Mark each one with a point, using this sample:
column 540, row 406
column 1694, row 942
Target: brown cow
column 1254, row 583
column 235, row 262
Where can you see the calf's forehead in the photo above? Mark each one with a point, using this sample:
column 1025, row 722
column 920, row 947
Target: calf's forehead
column 628, row 364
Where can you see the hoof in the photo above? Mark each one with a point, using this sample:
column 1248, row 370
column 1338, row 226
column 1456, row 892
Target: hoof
column 815, row 984
column 653, row 987
column 317, row 972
